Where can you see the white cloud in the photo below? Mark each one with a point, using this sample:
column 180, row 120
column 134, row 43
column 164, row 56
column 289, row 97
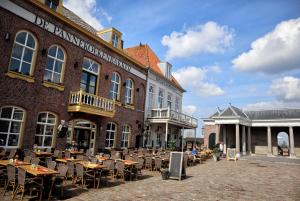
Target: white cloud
column 87, row 10
column 206, row 38
column 271, row 105
column 275, row 52
column 286, row 88
column 189, row 109
column 195, row 78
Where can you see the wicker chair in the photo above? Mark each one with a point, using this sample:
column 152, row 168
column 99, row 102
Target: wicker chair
column 71, row 170
column 139, row 167
column 120, row 167
column 49, row 150
column 59, row 181
column 51, row 165
column 135, row 157
column 84, row 175
column 35, row 161
column 67, row 154
column 148, row 163
column 11, row 178
column 11, row 155
column 27, row 159
column 88, row 153
column 57, row 154
column 94, row 160
column 128, row 157
column 109, row 167
column 23, row 184
column 158, row 164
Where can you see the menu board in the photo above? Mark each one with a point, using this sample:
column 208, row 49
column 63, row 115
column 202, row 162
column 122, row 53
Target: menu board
column 176, row 166
column 231, row 154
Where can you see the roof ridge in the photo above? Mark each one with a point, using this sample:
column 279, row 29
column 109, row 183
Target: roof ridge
column 274, row 109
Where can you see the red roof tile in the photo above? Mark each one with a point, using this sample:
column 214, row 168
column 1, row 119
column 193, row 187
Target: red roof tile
column 145, row 55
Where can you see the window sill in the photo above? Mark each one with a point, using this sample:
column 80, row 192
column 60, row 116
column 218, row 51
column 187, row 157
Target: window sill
column 129, row 106
column 53, row 85
column 20, row 76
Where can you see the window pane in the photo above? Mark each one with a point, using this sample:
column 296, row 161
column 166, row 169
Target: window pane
column 3, row 138
column 14, row 65
column 49, row 130
column 28, row 55
column 38, row 140
column 52, row 51
column 21, row 37
column 60, row 54
column 13, row 140
column 30, row 41
column 86, row 64
column 6, row 112
column 48, row 141
column 58, row 66
column 83, row 77
column 83, row 86
column 25, row 68
column 49, row 63
column 40, row 129
column 92, row 90
column 48, row 76
column 15, row 127
column 18, row 114
column 56, row 78
column 4, row 126
column 17, row 51
column 51, row 119
column 42, row 117
column 92, row 80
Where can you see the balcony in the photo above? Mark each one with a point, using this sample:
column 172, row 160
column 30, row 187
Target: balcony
column 81, row 101
column 173, row 116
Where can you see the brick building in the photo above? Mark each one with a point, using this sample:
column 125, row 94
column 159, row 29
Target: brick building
column 254, row 132
column 55, row 67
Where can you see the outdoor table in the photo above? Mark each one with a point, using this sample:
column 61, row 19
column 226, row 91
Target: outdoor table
column 93, row 167
column 76, row 152
column 102, row 158
column 42, row 154
column 39, row 170
column 15, row 163
column 65, row 160
column 130, row 164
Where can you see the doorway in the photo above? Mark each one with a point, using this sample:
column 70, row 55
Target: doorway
column 211, row 140
column 283, row 144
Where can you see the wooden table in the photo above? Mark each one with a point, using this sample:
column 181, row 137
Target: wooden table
column 15, row 163
column 130, row 164
column 39, row 170
column 65, row 160
column 94, row 167
column 102, row 158
column 76, row 152
column 41, row 154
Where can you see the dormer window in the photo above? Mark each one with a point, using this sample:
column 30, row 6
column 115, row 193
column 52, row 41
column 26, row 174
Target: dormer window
column 115, row 40
column 53, row 4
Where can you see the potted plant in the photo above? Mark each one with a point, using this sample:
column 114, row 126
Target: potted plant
column 164, row 174
column 216, row 154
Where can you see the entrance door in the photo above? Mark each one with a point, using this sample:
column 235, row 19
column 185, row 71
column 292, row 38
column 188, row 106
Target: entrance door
column 211, row 140
column 82, row 138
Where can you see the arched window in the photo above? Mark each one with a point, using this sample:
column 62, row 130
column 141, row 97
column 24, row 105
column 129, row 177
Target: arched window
column 45, row 129
column 115, row 86
column 126, row 130
column 170, row 101
column 129, row 92
column 89, row 75
column 55, row 65
column 11, row 120
column 23, row 53
column 151, row 95
column 110, row 134
column 160, row 98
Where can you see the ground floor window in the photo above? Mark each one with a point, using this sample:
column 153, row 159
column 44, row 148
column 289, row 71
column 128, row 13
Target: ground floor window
column 11, row 120
column 125, row 136
column 110, row 134
column 45, row 129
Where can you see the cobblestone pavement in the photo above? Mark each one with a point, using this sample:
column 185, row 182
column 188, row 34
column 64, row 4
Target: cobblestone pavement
column 277, row 159
column 223, row 180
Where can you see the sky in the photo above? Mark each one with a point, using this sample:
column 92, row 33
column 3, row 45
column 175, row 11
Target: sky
column 242, row 52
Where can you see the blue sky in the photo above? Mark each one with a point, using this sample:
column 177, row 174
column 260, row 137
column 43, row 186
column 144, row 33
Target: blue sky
column 242, row 52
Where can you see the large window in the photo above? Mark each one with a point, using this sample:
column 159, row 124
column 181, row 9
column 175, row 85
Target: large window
column 23, row 53
column 151, row 95
column 177, row 104
column 115, row 40
column 11, row 120
column 160, row 98
column 54, row 65
column 115, row 86
column 53, row 4
column 129, row 92
column 45, row 129
column 90, row 71
column 170, row 101
column 125, row 136
column 110, row 134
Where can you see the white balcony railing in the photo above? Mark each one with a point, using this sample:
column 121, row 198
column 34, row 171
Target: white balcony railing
column 94, row 103
column 167, row 113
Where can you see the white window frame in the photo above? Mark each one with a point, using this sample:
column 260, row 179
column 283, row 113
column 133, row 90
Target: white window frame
column 11, row 120
column 110, row 141
column 151, row 97
column 45, row 124
column 126, row 132
column 115, row 40
column 177, row 104
column 160, row 98
column 56, row 59
column 170, row 101
column 24, row 47
column 114, row 92
column 129, row 91
column 90, row 70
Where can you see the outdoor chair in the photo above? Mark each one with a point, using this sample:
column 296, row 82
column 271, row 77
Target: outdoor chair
column 35, row 161
column 49, row 150
column 59, row 181
column 128, row 157
column 67, row 154
column 2, row 153
column 24, row 184
column 71, row 170
column 109, row 167
column 27, row 159
column 148, row 163
column 139, row 167
column 81, row 150
column 83, row 176
column 125, row 151
column 11, row 178
column 27, row 152
column 11, row 155
column 51, row 165
column 57, row 154
column 94, row 160
column 135, row 157
column 88, row 153
column 120, row 170
column 106, row 155
column 158, row 164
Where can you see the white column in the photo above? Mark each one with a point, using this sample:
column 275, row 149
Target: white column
column 249, row 140
column 244, row 140
column 182, row 132
column 166, row 136
column 292, row 144
column 237, row 140
column 218, row 133
column 224, row 139
column 269, row 142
